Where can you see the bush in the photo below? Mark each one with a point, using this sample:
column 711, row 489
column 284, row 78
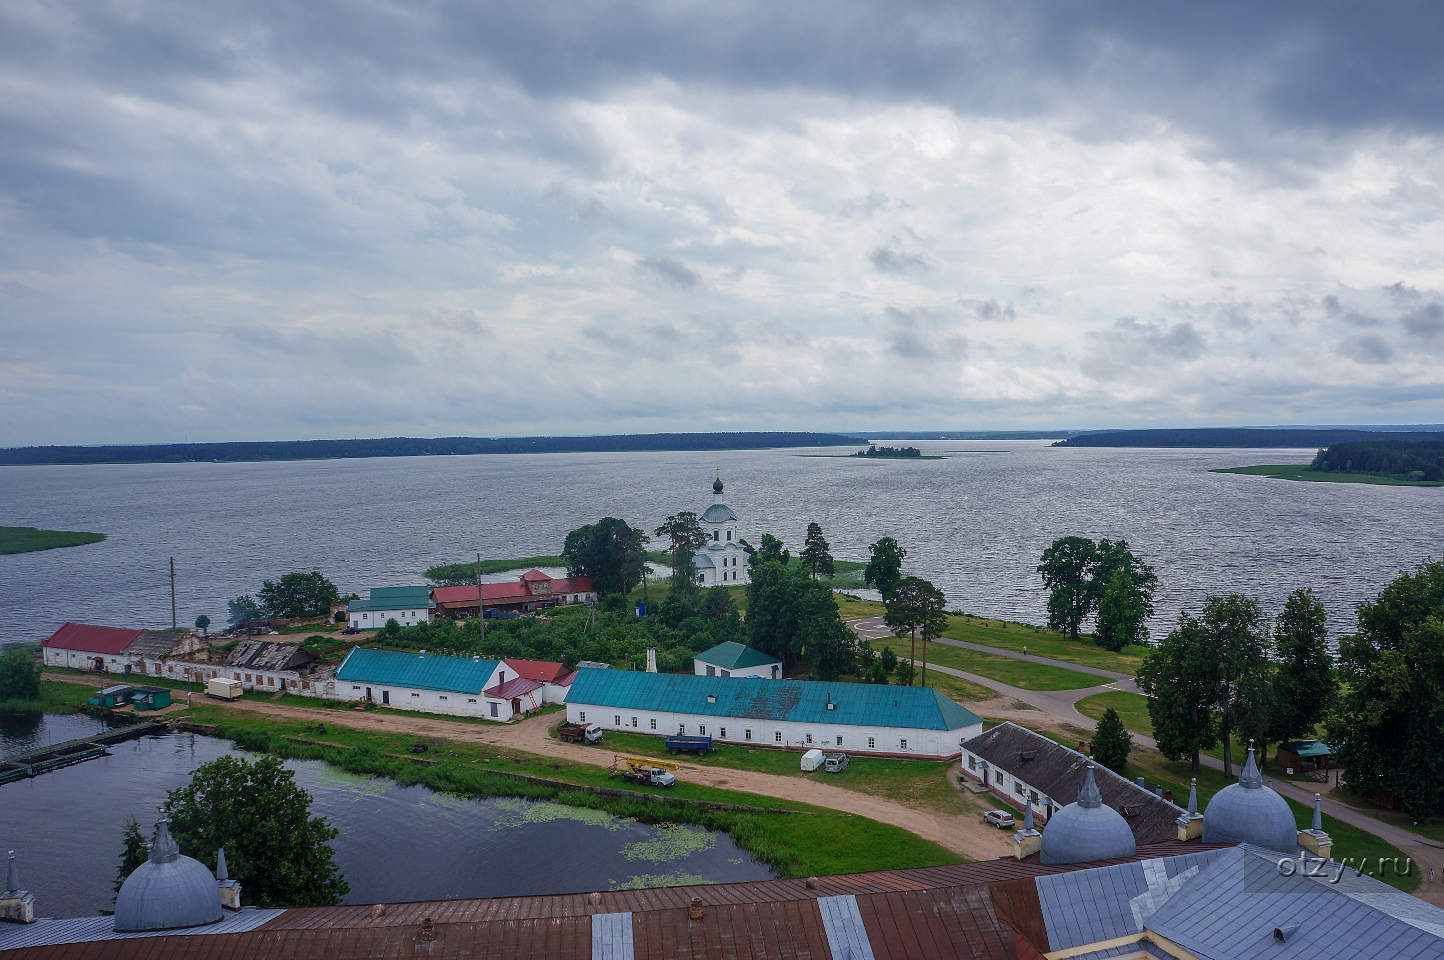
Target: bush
column 19, row 675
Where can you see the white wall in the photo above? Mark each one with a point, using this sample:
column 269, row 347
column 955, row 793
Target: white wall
column 1006, row 784
column 554, row 692
column 376, row 619
column 885, row 740
column 761, row 671
column 428, row 701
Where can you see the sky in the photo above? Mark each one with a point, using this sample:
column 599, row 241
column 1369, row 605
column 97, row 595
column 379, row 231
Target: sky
column 276, row 220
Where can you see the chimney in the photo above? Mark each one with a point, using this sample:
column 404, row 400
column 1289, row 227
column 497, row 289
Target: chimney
column 651, row 659
column 1190, row 825
column 16, row 905
column 1314, row 840
column 695, row 912
column 230, row 889
column 1028, row 840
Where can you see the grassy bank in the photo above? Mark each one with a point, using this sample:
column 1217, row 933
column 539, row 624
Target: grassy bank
column 806, row 841
column 466, row 571
column 1301, row 471
column 1132, row 709
column 28, row 539
column 1017, row 673
column 1043, row 643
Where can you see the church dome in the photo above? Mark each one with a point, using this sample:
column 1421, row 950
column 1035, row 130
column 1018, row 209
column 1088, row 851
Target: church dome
column 718, row 513
column 1249, row 812
column 168, row 891
column 717, row 485
column 1086, row 830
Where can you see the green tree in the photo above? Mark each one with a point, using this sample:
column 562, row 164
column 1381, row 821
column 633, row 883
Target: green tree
column 889, row 661
column 769, row 550
column 683, row 531
column 1237, row 633
column 298, row 595
column 1386, row 725
column 392, row 628
column 916, row 606
column 275, row 848
column 1111, row 741
column 795, row 618
column 905, row 672
column 133, row 852
column 1067, row 571
column 203, row 624
column 19, row 675
column 1122, row 611
column 816, row 552
column 1111, row 557
column 243, row 611
column 1303, row 675
column 609, row 551
column 884, row 568
column 1181, row 677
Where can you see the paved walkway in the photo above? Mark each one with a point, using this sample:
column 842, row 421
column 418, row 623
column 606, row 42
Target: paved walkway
column 1063, row 705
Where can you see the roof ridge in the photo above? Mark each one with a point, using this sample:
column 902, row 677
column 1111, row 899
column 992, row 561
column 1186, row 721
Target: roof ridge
column 1085, row 758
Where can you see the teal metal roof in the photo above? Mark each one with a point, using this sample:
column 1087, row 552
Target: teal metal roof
column 1307, row 748
column 395, row 598
column 731, row 655
column 429, row 672
column 804, row 701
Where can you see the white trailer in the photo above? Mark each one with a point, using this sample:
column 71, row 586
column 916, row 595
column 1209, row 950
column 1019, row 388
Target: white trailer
column 223, row 689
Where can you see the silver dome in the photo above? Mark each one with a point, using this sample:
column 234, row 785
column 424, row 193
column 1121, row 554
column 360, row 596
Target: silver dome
column 1086, row 830
column 718, row 513
column 1249, row 812
column 168, row 891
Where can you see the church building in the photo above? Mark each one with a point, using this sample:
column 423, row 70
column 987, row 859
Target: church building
column 723, row 561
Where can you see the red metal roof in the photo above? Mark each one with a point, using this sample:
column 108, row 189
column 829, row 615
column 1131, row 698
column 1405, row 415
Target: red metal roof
column 515, row 687
column 91, row 639
column 534, row 575
column 465, row 596
column 545, row 671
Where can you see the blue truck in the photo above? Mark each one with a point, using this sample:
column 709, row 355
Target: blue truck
column 680, row 744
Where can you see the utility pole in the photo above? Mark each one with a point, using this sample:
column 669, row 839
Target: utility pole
column 172, row 593
column 480, row 611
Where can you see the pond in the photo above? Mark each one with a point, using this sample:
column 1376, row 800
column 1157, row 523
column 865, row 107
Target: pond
column 395, row 843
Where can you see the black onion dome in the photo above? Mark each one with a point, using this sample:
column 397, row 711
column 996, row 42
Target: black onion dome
column 717, row 485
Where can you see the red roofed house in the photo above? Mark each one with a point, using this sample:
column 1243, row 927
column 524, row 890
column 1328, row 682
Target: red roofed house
column 524, row 695
column 86, row 647
column 531, row 591
column 554, row 677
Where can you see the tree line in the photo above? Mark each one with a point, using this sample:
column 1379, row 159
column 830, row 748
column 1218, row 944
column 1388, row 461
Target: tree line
column 1400, row 459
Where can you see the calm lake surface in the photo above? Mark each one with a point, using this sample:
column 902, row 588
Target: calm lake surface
column 395, row 843
column 974, row 523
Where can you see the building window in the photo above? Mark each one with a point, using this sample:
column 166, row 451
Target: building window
column 581, row 716
column 747, row 734
column 701, row 729
column 493, row 708
column 616, row 719
column 903, row 744
column 839, row 739
column 872, row 743
column 634, row 723
column 654, row 723
column 722, row 733
column 681, row 729
column 711, row 670
column 416, row 694
column 1018, row 788
column 729, row 534
column 809, row 738
column 726, row 673
column 443, row 696
column 972, row 762
column 470, row 699
column 355, row 689
column 714, row 534
column 779, row 736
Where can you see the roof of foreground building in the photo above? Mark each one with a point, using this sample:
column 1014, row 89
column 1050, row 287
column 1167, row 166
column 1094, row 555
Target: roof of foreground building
column 753, row 698
column 423, row 671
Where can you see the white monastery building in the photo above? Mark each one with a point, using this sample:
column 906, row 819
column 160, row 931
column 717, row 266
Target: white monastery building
column 723, row 561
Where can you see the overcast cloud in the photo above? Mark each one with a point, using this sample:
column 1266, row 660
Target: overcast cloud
column 272, row 219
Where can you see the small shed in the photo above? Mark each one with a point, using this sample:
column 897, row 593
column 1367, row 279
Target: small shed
column 1305, row 755
column 115, row 696
column 150, row 698
column 733, row 659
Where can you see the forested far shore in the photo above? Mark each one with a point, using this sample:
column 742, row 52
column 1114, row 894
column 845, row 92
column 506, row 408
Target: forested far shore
column 231, row 452
column 1397, row 457
column 1246, row 436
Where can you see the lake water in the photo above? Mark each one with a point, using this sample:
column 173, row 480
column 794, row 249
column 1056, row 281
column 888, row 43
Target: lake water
column 974, row 523
column 395, row 843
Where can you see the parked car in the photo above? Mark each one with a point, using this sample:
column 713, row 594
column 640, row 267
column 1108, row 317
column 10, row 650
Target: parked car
column 836, row 762
column 1001, row 819
column 350, row 630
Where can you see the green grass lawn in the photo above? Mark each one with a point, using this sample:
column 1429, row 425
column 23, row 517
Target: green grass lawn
column 853, row 608
column 1017, row 673
column 27, row 539
column 956, row 688
column 1043, row 643
column 1132, row 709
column 922, row 784
column 1301, row 471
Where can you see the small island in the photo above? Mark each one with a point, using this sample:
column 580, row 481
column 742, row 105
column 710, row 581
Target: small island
column 27, row 539
column 901, row 453
column 1388, row 462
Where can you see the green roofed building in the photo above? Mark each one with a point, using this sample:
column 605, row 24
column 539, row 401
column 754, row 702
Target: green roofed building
column 733, row 659
column 406, row 605
column 430, row 682
column 795, row 714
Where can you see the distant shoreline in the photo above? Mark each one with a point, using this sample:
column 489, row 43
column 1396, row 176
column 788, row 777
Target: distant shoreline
column 31, row 539
column 296, row 450
column 1301, row 471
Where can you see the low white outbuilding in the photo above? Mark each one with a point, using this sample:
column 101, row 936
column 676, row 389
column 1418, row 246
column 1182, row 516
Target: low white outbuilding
column 408, row 606
column 733, row 659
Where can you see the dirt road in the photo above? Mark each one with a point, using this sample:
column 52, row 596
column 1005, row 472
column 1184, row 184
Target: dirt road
column 964, row 834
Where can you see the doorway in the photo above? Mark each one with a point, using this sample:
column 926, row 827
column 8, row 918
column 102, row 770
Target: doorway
column 386, row 697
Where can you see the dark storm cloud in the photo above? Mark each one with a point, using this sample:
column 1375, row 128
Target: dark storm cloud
column 1367, row 348
column 1426, row 323
column 895, row 260
column 671, row 272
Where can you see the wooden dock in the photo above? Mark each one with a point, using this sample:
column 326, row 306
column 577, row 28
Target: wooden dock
column 32, row 763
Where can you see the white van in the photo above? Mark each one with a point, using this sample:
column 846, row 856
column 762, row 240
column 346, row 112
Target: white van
column 811, row 760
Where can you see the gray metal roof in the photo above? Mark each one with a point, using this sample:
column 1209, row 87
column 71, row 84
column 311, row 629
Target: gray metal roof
column 51, row 932
column 154, row 643
column 718, row 513
column 846, row 935
column 1249, row 812
column 612, row 937
column 168, row 891
column 269, row 655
